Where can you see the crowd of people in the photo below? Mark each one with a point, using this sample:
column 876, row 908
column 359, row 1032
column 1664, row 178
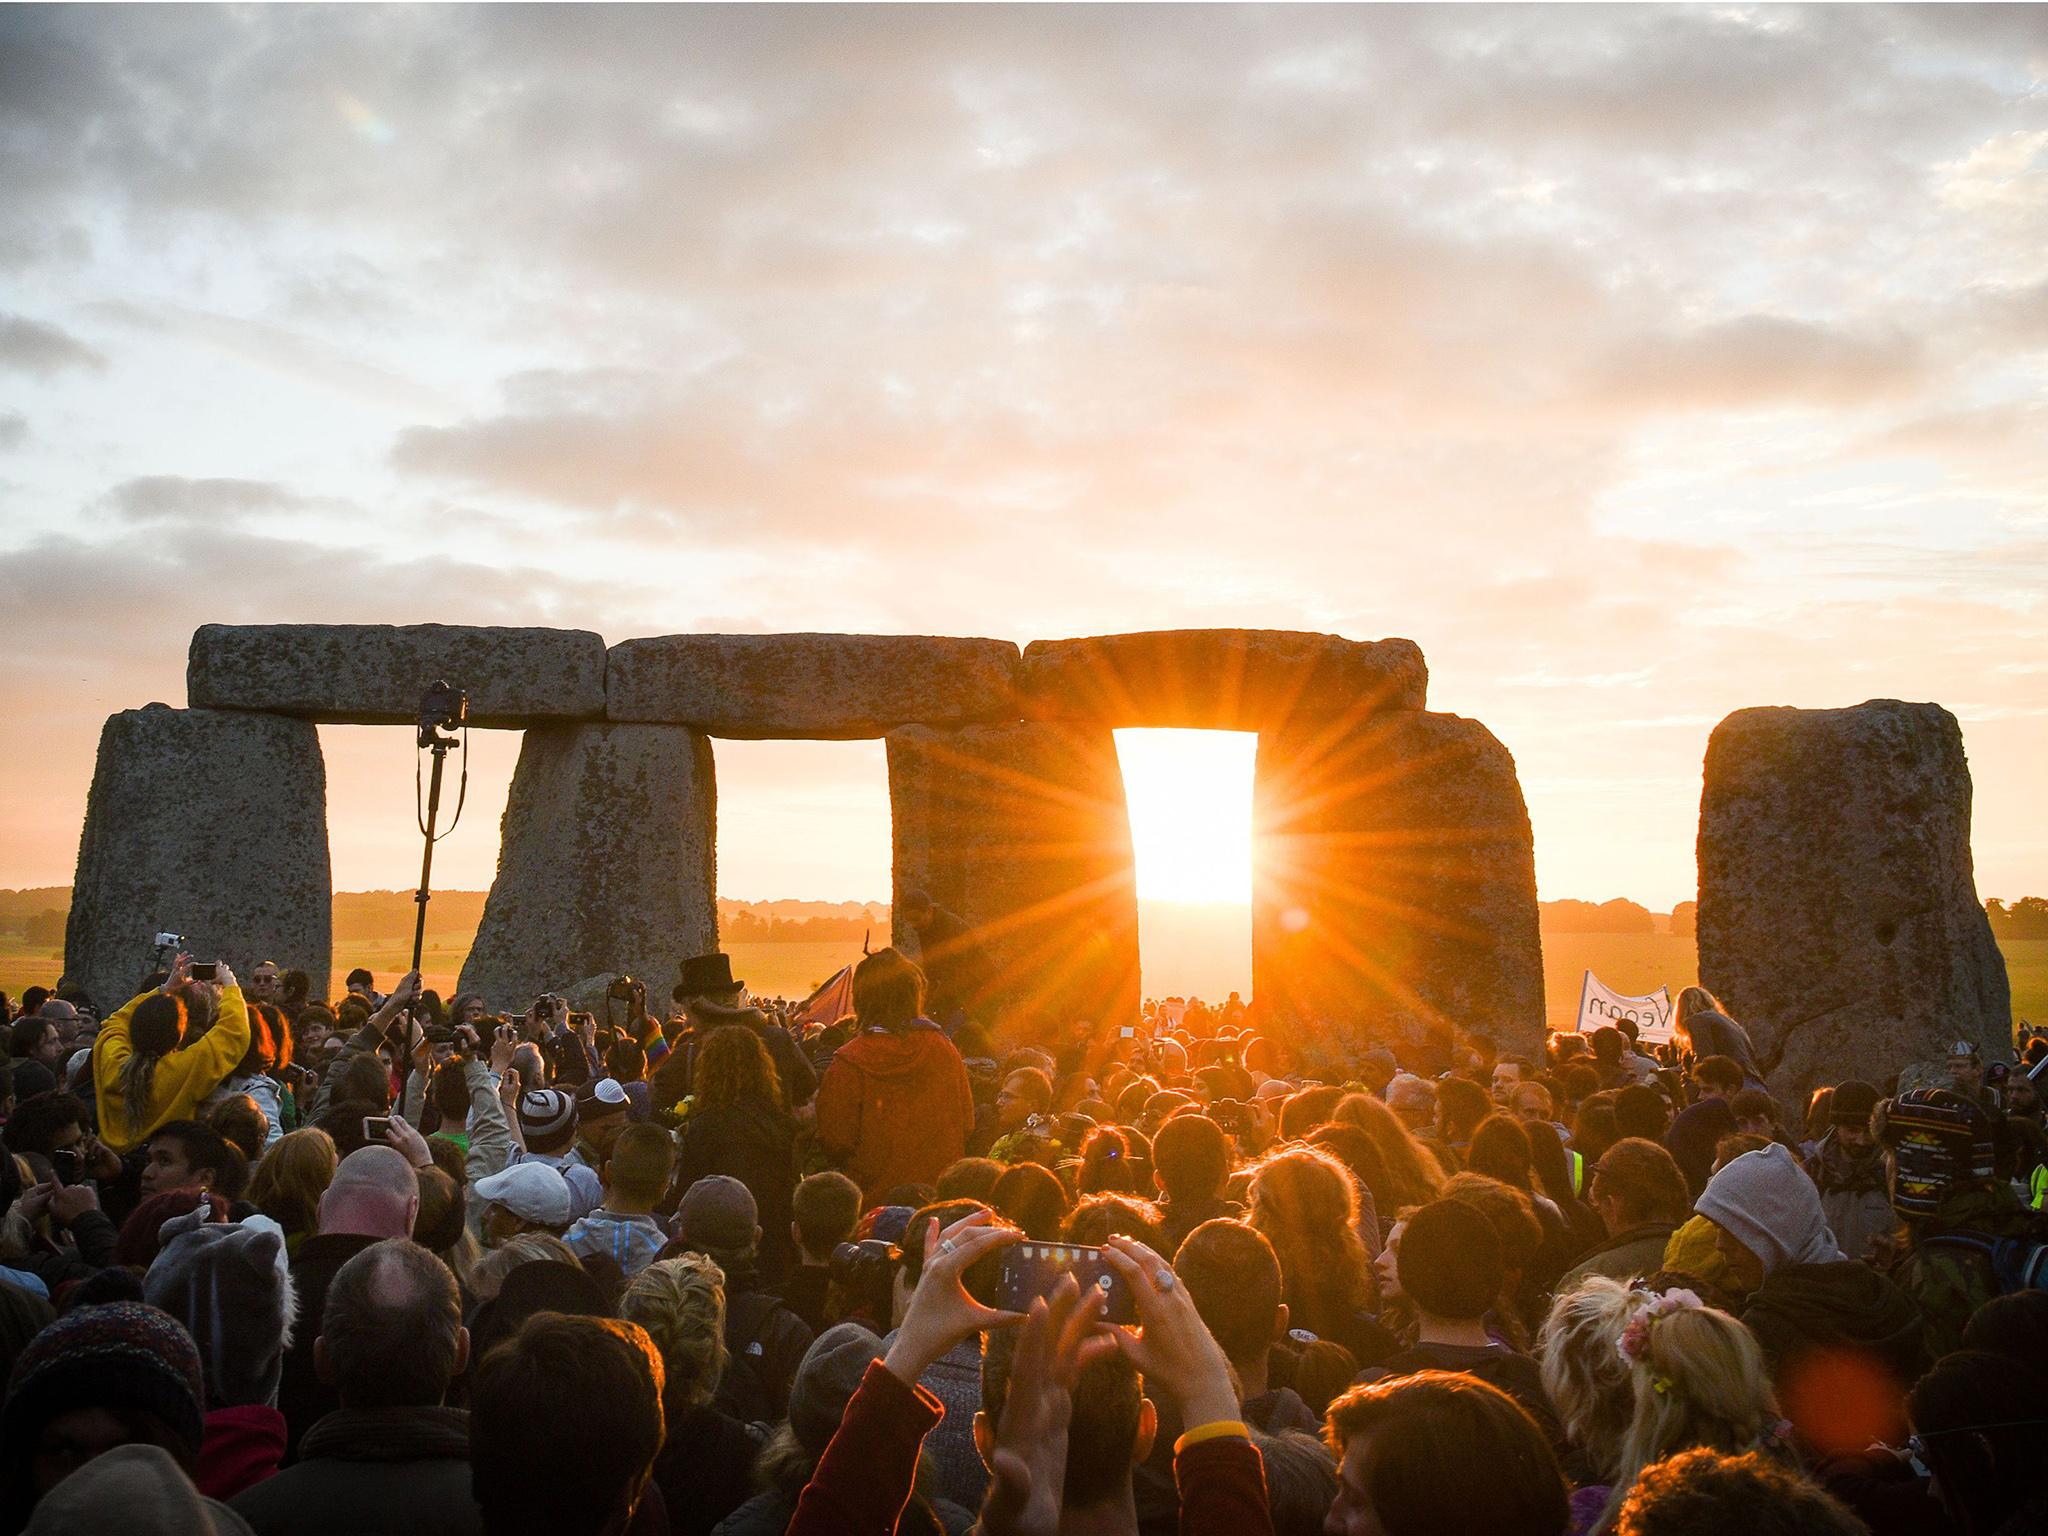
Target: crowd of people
column 419, row 1265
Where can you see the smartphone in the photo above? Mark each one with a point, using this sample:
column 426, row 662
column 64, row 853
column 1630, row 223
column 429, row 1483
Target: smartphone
column 1128, row 1031
column 1030, row 1270
column 64, row 1165
column 376, row 1127
column 205, row 970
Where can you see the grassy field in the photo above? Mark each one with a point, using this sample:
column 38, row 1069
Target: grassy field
column 1631, row 963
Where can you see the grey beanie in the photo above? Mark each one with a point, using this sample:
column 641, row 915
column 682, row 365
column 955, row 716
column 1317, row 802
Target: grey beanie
column 825, row 1382
column 1765, row 1198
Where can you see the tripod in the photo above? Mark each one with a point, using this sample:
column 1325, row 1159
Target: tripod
column 441, row 711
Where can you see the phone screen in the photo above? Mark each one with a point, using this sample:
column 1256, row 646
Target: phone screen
column 1030, row 1270
column 205, row 970
column 376, row 1127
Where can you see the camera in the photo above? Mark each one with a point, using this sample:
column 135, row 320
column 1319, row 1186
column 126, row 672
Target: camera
column 205, row 970
column 169, row 941
column 622, row 988
column 444, row 710
column 864, row 1274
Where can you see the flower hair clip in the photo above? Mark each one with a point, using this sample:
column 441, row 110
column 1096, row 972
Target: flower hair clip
column 1635, row 1338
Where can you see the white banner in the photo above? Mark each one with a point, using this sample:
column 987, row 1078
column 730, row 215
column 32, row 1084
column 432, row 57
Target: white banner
column 1601, row 1005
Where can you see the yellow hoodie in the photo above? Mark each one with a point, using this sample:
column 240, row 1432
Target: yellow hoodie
column 183, row 1078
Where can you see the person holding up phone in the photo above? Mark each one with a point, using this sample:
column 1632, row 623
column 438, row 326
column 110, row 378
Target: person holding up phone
column 145, row 1073
column 391, row 1023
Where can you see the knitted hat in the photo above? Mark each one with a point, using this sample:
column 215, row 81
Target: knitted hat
column 1852, row 1104
column 545, row 1113
column 1940, row 1142
column 600, row 1101
column 887, row 1222
column 533, row 1192
column 831, row 1372
column 228, row 1283
column 1766, row 1200
column 717, row 1212
column 124, row 1356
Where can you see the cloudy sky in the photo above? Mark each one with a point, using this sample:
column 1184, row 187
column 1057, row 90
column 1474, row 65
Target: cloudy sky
column 1641, row 364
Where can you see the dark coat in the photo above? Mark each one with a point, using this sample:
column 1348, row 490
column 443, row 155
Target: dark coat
column 705, row 1469
column 365, row 1470
column 756, row 1144
column 302, row 1397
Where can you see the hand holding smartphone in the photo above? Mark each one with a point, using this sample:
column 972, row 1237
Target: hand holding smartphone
column 1030, row 1270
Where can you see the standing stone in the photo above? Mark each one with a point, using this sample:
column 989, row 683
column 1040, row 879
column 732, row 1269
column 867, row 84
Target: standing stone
column 1394, row 887
column 606, row 865
column 832, row 687
column 1022, row 831
column 1838, row 912
column 374, row 674
column 209, row 825
column 1220, row 679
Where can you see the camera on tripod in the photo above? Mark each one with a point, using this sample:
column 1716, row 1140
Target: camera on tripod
column 621, row 988
column 444, row 710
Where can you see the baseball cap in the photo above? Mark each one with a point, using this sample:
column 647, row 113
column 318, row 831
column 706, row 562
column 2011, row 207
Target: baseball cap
column 531, row 1191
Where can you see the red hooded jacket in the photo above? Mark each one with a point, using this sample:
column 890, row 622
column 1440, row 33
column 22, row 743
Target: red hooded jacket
column 897, row 1106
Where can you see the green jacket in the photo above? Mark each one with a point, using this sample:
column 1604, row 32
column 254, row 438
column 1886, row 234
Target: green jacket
column 1948, row 1282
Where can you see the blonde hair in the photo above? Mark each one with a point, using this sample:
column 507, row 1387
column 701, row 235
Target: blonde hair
column 1700, row 1380
column 1585, row 1374
column 681, row 1304
column 291, row 1177
column 488, row 1277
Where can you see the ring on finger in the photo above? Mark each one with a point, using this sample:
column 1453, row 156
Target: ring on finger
column 1164, row 1279
column 947, row 1245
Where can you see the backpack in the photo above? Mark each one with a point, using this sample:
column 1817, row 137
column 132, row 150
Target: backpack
column 2016, row 1263
column 744, row 1391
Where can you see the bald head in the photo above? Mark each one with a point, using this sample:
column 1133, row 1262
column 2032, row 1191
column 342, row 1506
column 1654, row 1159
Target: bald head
column 375, row 1193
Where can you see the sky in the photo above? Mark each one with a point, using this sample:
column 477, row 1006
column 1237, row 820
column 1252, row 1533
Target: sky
column 1640, row 363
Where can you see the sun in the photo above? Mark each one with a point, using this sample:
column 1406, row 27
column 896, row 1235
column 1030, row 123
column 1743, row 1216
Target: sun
column 1190, row 797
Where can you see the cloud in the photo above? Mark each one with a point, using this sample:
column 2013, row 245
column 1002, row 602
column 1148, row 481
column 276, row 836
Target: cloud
column 13, row 430
column 1762, row 360
column 43, row 350
column 208, row 503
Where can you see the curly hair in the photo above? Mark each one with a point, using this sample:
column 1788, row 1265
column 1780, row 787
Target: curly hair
column 681, row 1304
column 1585, row 1374
column 734, row 1067
column 1305, row 1202
column 1413, row 1175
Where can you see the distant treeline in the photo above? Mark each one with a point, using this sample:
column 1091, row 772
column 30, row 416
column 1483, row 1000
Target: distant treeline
column 1617, row 916
column 2026, row 918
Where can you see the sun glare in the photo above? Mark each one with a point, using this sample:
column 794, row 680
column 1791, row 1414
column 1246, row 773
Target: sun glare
column 1190, row 796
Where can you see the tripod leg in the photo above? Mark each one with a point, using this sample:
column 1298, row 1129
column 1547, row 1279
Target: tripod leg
column 423, row 895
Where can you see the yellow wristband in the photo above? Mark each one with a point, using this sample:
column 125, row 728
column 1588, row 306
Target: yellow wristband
column 1216, row 1431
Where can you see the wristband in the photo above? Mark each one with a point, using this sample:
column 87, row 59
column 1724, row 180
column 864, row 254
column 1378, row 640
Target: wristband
column 1217, row 1430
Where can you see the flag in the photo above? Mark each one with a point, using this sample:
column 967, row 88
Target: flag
column 1601, row 1005
column 830, row 1003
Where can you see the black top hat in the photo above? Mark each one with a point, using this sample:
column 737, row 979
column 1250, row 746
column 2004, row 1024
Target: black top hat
column 707, row 974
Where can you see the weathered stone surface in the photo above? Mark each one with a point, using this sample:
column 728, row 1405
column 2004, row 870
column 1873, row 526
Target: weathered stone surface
column 209, row 825
column 374, row 674
column 1838, row 915
column 607, row 863
column 830, row 687
column 1022, row 831
column 1220, row 679
column 1394, row 886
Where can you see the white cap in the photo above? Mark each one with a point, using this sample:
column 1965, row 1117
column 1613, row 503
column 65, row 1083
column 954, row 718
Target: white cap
column 531, row 1191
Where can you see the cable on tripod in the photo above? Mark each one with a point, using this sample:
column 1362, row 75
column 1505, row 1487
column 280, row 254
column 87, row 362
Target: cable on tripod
column 419, row 804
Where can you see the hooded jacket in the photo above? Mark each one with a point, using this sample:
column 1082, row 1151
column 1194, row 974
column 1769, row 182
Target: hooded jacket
column 1766, row 1200
column 896, row 1106
column 1807, row 1310
column 183, row 1077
